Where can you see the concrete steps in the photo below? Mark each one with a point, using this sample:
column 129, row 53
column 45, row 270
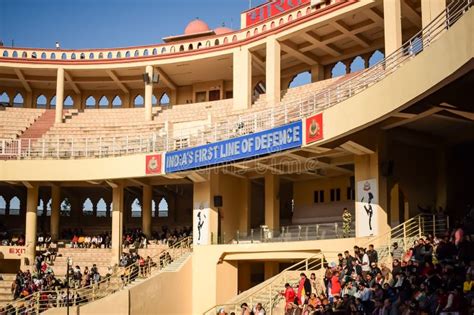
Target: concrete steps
column 5, row 288
column 176, row 265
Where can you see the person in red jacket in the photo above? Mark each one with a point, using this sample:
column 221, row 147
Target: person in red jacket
column 290, row 296
column 304, row 289
column 335, row 284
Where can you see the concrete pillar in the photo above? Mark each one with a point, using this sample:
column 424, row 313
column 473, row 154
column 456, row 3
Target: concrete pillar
column 55, row 211
column 30, row 226
column 271, row 268
column 28, row 100
column 205, row 215
column 242, row 76
column 430, row 9
column 441, row 179
column 273, row 71
column 149, row 94
column 317, row 73
column 117, row 223
column 146, row 210
column 392, row 25
column 59, row 96
column 395, row 205
column 348, row 63
column 244, row 216
column 272, row 201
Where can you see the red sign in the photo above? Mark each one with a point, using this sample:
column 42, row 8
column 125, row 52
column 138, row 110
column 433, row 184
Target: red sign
column 314, row 128
column 17, row 250
column 153, row 164
column 271, row 9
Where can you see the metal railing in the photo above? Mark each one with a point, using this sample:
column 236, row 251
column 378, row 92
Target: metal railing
column 120, row 278
column 288, row 233
column 280, row 114
column 268, row 293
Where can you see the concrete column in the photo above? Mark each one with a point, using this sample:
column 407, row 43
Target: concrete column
column 30, row 226
column 28, row 100
column 242, row 76
column 146, row 210
column 395, row 205
column 272, row 201
column 392, row 25
column 317, row 73
column 430, row 9
column 117, row 223
column 348, row 63
column 273, row 71
column 441, row 179
column 149, row 94
column 55, row 211
column 59, row 96
column 271, row 268
column 203, row 194
column 244, row 216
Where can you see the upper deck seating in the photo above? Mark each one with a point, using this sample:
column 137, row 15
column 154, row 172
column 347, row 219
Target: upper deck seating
column 14, row 121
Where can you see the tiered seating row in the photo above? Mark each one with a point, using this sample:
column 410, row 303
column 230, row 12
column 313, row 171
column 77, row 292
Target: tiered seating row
column 14, row 121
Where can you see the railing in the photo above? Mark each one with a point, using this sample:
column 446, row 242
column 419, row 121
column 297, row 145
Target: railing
column 289, row 233
column 280, row 114
column 268, row 292
column 120, row 278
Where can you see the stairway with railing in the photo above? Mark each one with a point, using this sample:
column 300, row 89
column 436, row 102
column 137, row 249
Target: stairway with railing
column 268, row 292
column 120, row 279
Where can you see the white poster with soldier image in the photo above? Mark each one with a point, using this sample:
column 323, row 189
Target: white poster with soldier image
column 366, row 208
column 201, row 220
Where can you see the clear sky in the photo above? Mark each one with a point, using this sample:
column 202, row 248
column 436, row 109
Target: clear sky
column 109, row 23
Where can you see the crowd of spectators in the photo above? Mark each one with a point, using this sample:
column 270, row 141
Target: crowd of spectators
column 433, row 276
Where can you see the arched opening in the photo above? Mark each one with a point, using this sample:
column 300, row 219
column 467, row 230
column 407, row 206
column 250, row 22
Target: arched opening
column 136, row 208
column 247, row 34
column 163, row 50
column 234, row 38
column 154, row 52
column 308, row 10
column 4, row 99
column 118, row 55
column 82, row 56
column 300, row 79
column 103, row 102
column 101, row 55
column 199, row 45
column 87, row 207
column 63, row 56
column 65, row 208
column 163, row 208
column 376, row 57
column 164, row 99
column 138, row 101
column 5, row 53
column 91, row 56
column 281, row 21
column 216, row 42
column 172, row 50
column 136, row 54
column 190, row 47
column 154, row 100
column 338, row 70
column 101, row 208
column 264, row 28
column 225, row 40
column 34, row 55
column 272, row 25
column 109, row 55
column 181, row 48
column 68, row 102
column 153, row 208
column 127, row 54
column 41, row 101
column 357, row 64
column 18, row 100
column 15, row 54
column 208, row 43
column 3, row 205
column 39, row 208
column 117, row 101
column 258, row 89
column 299, row 14
column 90, row 102
column 43, row 55
column 145, row 52
column 15, row 206
column 53, row 56
column 73, row 56
column 52, row 102
column 24, row 55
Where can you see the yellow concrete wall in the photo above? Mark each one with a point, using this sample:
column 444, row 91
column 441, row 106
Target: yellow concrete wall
column 303, row 191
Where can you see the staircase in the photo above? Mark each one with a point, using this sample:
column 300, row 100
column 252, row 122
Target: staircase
column 40, row 126
column 6, row 281
column 267, row 292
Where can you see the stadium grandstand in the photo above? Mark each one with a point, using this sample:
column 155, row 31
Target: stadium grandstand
column 194, row 177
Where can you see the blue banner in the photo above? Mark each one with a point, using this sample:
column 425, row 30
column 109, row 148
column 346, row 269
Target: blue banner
column 256, row 144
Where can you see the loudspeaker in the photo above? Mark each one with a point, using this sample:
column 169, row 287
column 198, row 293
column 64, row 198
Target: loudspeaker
column 218, row 201
column 386, row 168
